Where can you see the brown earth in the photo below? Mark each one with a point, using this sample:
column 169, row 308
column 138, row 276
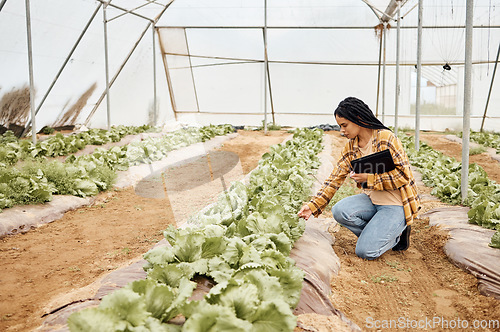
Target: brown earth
column 86, row 244
column 453, row 149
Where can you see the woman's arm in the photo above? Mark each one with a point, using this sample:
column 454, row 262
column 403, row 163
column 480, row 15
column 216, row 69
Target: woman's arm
column 331, row 184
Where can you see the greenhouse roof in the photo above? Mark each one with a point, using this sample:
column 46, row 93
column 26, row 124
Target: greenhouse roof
column 212, row 55
column 149, row 10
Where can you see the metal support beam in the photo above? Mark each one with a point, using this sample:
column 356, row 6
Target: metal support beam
column 106, row 63
column 2, row 4
column 169, row 79
column 406, row 116
column 469, row 17
column 54, row 81
column 389, row 11
column 155, row 107
column 379, row 68
column 398, row 88
column 419, row 75
column 491, row 87
column 339, row 27
column 192, row 73
column 165, row 7
column 131, row 11
column 270, row 92
column 327, row 63
column 383, row 72
column 374, row 9
column 30, row 69
column 126, row 11
column 155, row 32
column 267, row 83
column 265, row 66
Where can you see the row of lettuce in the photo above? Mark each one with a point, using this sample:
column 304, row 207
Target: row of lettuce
column 241, row 244
column 36, row 180
column 13, row 149
column 443, row 174
column 488, row 139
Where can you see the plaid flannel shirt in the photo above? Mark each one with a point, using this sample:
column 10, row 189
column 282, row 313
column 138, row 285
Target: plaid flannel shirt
column 400, row 178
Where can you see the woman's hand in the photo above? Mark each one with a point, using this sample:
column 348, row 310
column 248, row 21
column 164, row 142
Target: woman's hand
column 359, row 178
column 305, row 212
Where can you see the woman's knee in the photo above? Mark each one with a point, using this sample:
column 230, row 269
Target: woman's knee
column 343, row 209
column 367, row 253
column 351, row 209
column 338, row 213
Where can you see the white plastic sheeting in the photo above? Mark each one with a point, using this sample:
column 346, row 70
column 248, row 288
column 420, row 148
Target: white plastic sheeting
column 56, row 26
column 319, row 53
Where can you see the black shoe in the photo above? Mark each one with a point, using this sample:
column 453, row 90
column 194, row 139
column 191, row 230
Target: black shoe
column 404, row 240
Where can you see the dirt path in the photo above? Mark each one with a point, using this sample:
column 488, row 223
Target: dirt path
column 86, row 244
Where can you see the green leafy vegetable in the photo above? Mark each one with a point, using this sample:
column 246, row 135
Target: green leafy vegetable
column 242, row 242
column 495, row 240
column 444, row 175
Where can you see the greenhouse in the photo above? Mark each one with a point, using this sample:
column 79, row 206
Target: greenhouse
column 187, row 165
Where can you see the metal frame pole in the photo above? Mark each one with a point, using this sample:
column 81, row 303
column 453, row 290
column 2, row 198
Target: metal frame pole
column 396, row 102
column 30, row 65
column 169, row 79
column 379, row 68
column 270, row 92
column 126, row 11
column 164, row 59
column 2, row 4
column 54, row 81
column 106, row 61
column 265, row 66
column 338, row 27
column 469, row 17
column 491, row 87
column 419, row 75
column 267, row 83
column 191, row 69
column 155, row 110
column 383, row 73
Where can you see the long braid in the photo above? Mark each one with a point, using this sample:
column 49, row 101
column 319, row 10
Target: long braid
column 355, row 110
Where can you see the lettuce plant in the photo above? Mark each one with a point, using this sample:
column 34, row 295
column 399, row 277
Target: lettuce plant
column 495, row 240
column 36, row 180
column 443, row 174
column 242, row 243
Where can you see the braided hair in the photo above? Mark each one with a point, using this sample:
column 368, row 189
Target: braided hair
column 355, row 110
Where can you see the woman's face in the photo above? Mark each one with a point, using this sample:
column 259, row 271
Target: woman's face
column 347, row 128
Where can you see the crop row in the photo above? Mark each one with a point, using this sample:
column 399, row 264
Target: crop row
column 35, row 181
column 488, row 139
column 13, row 149
column 241, row 243
column 443, row 174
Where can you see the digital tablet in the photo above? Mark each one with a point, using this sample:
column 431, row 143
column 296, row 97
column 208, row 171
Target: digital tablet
column 375, row 163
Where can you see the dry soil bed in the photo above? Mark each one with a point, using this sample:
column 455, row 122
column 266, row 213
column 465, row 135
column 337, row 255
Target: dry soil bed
column 86, row 244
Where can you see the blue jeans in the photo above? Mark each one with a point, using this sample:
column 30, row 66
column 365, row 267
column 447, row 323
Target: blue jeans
column 378, row 227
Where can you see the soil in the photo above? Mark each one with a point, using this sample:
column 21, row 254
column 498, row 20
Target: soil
column 86, row 244
column 453, row 149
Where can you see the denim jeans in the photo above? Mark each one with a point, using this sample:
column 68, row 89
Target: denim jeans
column 378, row 227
